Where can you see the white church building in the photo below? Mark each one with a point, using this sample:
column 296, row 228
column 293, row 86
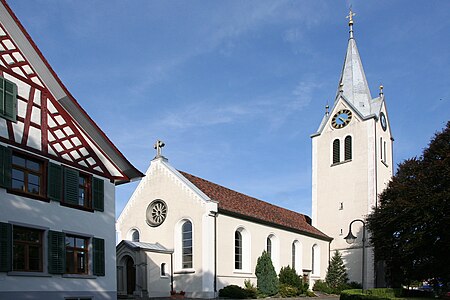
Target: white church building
column 181, row 232
column 185, row 233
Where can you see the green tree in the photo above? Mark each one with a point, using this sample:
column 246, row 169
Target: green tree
column 410, row 227
column 267, row 280
column 336, row 274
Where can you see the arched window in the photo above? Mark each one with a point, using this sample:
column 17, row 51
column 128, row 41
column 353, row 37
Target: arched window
column 242, row 250
column 348, row 148
column 237, row 250
column 135, row 235
column 336, row 151
column 297, row 256
column 293, row 255
column 163, row 269
column 315, row 259
column 384, row 157
column 273, row 249
column 186, row 238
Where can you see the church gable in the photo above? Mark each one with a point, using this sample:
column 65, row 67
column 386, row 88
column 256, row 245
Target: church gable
column 164, row 182
column 38, row 121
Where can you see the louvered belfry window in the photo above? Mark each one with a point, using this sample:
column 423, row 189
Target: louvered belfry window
column 336, row 151
column 348, row 148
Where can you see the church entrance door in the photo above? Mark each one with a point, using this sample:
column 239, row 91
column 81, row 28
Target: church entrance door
column 131, row 275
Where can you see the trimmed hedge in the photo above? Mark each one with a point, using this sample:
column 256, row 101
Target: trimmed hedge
column 372, row 294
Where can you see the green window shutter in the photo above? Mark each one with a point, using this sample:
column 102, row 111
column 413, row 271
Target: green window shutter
column 71, row 186
column 5, row 247
column 98, row 246
column 2, row 96
column 56, row 252
column 10, row 100
column 5, row 167
column 98, row 194
column 54, row 182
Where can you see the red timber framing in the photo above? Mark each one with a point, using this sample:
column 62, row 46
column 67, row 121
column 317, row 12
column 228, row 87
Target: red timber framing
column 60, row 137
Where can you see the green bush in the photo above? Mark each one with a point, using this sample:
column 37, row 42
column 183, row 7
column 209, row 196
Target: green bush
column 250, row 289
column 233, row 291
column 267, row 279
column 322, row 286
column 287, row 291
column 289, row 276
column 353, row 285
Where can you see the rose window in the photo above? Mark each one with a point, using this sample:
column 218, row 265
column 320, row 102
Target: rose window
column 156, row 213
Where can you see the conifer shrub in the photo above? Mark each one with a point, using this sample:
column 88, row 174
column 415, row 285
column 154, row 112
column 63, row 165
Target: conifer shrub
column 267, row 280
column 290, row 277
column 336, row 277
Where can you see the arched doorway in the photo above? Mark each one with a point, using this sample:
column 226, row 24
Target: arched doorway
column 130, row 270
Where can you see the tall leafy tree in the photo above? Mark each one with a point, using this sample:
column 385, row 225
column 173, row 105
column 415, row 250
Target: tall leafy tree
column 410, row 228
column 336, row 273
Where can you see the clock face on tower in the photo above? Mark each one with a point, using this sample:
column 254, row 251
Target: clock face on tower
column 383, row 121
column 341, row 118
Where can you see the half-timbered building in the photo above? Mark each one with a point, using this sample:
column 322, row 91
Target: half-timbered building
column 58, row 173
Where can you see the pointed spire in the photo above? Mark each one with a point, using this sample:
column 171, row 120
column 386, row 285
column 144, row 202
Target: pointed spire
column 353, row 84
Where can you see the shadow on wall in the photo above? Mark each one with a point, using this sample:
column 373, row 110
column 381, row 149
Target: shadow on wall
column 353, row 257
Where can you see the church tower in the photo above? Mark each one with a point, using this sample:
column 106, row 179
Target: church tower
column 351, row 163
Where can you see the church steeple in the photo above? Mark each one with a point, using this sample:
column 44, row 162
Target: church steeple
column 353, row 84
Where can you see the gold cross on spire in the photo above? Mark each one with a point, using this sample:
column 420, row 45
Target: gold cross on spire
column 350, row 16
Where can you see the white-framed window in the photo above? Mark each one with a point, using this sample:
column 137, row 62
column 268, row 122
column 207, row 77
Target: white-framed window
column 315, row 260
column 237, row 250
column 186, row 245
column 273, row 248
column 297, row 256
column 242, row 251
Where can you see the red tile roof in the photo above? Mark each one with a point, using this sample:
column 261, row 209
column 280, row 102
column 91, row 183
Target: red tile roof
column 233, row 202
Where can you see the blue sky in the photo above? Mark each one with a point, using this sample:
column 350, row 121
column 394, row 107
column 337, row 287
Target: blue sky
column 235, row 88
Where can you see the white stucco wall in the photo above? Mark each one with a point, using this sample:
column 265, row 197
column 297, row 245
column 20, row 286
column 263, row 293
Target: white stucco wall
column 162, row 182
column 356, row 184
column 32, row 213
column 257, row 234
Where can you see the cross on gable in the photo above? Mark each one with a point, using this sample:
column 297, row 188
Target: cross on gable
column 158, row 146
